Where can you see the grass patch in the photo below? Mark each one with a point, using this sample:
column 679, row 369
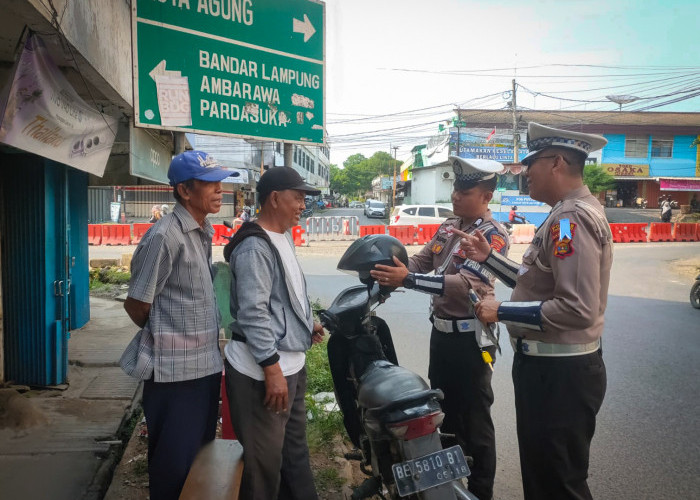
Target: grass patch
column 322, row 425
column 96, row 285
column 328, row 478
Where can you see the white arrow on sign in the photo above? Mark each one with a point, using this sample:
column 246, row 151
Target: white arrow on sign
column 304, row 26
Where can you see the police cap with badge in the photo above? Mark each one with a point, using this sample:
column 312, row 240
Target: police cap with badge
column 540, row 138
column 469, row 172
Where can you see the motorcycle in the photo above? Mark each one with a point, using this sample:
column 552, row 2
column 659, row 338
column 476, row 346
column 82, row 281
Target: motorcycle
column 509, row 225
column 391, row 415
column 695, row 293
column 640, row 203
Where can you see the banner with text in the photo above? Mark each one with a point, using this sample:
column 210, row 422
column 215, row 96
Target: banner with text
column 44, row 115
column 679, row 185
column 626, row 170
column 243, row 69
column 520, row 201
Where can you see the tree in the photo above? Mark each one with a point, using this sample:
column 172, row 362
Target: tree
column 597, row 179
column 355, row 178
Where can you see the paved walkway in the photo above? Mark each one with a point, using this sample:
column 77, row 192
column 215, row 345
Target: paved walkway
column 72, row 456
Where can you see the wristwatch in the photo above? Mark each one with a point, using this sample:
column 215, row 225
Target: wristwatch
column 409, row 281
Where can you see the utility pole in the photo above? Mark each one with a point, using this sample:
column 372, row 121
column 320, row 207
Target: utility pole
column 514, row 105
column 393, row 196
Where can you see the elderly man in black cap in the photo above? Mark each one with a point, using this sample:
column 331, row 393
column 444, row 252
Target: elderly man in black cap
column 555, row 316
column 461, row 353
column 274, row 327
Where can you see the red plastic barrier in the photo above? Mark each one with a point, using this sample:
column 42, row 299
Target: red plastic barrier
column 660, row 231
column 140, row 229
column 425, row 233
column 116, row 234
column 94, row 234
column 685, row 231
column 405, row 234
column 226, row 425
column 523, row 233
column 298, row 236
column 619, row 233
column 365, row 230
column 637, row 232
column 219, row 232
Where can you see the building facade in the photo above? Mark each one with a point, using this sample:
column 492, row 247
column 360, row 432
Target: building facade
column 650, row 154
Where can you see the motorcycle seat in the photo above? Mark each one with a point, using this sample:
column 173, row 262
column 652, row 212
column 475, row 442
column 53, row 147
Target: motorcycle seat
column 385, row 386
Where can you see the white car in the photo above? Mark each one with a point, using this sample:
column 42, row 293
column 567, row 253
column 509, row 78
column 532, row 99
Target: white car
column 374, row 208
column 407, row 215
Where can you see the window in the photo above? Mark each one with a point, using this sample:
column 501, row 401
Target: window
column 444, row 212
column 426, row 211
column 661, row 147
column 409, row 211
column 637, row 146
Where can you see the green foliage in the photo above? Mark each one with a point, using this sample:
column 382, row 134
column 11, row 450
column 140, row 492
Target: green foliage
column 597, row 179
column 111, row 275
column 318, row 373
column 322, row 426
column 328, row 478
column 355, row 178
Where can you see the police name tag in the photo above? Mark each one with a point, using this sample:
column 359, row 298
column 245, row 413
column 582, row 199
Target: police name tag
column 420, row 474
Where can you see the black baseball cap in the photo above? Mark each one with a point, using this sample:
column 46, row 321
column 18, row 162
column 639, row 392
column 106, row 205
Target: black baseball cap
column 281, row 178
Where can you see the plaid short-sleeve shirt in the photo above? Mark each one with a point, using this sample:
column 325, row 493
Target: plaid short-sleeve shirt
column 171, row 270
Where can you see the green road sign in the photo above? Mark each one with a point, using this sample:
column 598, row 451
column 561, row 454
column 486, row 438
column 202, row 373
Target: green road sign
column 244, row 68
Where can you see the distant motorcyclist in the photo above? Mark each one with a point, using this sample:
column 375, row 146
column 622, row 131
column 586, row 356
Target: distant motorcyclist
column 666, row 211
column 514, row 218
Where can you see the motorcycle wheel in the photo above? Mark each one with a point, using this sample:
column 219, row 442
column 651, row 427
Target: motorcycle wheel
column 695, row 295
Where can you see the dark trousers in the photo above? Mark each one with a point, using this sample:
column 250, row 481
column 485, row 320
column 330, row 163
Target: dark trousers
column 457, row 368
column 556, row 402
column 275, row 452
column 181, row 417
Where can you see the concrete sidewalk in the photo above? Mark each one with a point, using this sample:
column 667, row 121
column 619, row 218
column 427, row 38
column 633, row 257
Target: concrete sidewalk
column 73, row 455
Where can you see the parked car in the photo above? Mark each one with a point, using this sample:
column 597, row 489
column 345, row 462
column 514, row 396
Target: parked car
column 356, row 204
column 374, row 208
column 406, row 215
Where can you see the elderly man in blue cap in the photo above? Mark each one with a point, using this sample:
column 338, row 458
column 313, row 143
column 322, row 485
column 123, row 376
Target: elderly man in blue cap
column 171, row 298
column 555, row 316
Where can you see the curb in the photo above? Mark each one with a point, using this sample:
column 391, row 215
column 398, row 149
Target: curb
column 105, row 473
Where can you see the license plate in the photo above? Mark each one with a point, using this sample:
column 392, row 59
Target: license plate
column 431, row 470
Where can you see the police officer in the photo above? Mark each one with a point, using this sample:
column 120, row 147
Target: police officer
column 555, row 316
column 457, row 343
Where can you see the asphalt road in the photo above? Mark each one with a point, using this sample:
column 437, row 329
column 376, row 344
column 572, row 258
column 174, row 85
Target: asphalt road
column 647, row 443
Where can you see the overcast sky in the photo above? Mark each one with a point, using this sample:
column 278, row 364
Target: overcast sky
column 419, row 60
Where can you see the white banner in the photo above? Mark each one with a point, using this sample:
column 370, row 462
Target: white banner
column 44, row 115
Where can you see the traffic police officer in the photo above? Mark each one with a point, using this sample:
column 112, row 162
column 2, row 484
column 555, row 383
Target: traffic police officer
column 555, row 316
column 460, row 352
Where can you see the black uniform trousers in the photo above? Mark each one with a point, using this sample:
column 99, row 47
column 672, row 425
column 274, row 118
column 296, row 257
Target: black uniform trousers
column 556, row 402
column 181, row 418
column 275, row 451
column 457, row 368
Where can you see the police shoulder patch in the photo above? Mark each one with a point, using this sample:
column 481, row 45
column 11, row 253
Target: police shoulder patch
column 562, row 233
column 498, row 242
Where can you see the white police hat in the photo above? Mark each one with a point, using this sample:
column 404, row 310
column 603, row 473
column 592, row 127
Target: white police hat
column 471, row 171
column 540, row 137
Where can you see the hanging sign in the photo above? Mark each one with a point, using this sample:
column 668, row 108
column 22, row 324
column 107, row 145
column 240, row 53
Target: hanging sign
column 44, row 115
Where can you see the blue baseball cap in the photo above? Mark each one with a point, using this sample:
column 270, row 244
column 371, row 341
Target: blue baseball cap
column 197, row 165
